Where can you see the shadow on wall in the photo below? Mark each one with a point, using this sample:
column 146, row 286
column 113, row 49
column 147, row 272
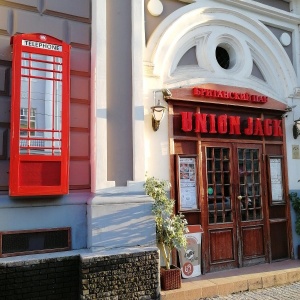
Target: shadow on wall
column 128, row 224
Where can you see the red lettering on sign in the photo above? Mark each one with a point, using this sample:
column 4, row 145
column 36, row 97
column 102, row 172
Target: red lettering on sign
column 226, row 94
column 220, row 94
column 209, row 93
column 245, row 97
column 230, row 124
column 237, row 96
column 249, row 129
column 200, row 123
column 212, row 123
column 222, row 124
column 258, row 130
column 234, row 125
column 268, row 129
column 196, row 92
column 277, row 129
column 186, row 121
column 229, row 95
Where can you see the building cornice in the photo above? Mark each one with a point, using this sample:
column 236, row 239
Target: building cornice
column 263, row 10
column 188, row 1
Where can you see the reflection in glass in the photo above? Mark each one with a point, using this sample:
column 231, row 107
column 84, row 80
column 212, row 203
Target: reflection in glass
column 249, row 188
column 209, row 153
column 209, row 164
column 256, row 165
column 248, row 154
column 217, row 153
column 255, row 155
column 257, row 189
column 218, row 178
column 209, row 178
column 240, row 154
column 249, row 177
column 41, row 94
column 249, row 166
column 225, row 154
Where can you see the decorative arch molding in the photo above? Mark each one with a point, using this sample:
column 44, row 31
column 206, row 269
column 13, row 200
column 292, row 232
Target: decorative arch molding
column 206, row 28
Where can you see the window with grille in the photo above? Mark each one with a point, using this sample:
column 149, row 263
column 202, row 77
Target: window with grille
column 15, row 243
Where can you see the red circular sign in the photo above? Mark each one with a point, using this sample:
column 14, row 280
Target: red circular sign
column 188, row 269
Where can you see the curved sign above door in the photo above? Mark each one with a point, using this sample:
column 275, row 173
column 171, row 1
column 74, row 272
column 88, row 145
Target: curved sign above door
column 237, row 96
column 226, row 95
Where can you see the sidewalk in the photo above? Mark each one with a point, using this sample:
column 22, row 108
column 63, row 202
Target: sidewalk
column 236, row 280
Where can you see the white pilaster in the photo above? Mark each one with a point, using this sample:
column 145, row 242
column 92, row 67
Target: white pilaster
column 99, row 98
column 138, row 42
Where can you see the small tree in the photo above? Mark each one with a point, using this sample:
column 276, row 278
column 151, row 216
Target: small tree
column 296, row 206
column 170, row 228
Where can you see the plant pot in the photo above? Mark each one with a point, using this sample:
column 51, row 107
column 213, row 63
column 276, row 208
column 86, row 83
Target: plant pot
column 170, row 279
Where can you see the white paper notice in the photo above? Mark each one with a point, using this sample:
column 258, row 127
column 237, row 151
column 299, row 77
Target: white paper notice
column 188, row 193
column 276, row 179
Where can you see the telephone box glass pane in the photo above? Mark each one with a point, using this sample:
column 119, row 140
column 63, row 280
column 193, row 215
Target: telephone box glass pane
column 41, row 104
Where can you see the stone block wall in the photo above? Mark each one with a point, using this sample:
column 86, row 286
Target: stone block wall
column 126, row 276
column 40, row 279
column 131, row 275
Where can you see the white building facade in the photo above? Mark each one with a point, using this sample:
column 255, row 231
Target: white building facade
column 231, row 46
column 124, row 53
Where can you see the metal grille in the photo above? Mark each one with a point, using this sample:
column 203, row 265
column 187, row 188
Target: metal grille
column 29, row 242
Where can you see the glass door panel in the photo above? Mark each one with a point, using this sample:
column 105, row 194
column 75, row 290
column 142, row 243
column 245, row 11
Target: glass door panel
column 236, row 234
column 219, row 185
column 249, row 184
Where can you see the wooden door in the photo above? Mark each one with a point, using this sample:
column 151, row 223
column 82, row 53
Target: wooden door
column 233, row 203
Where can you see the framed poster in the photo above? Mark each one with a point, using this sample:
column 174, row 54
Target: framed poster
column 187, row 182
column 276, row 180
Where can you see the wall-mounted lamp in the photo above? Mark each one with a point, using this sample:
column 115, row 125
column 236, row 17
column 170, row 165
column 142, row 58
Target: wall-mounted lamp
column 296, row 128
column 158, row 110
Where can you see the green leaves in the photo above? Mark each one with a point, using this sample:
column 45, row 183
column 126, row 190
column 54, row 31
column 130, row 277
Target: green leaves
column 295, row 202
column 296, row 206
column 170, row 228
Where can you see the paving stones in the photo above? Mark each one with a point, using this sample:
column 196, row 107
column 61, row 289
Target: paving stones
column 285, row 292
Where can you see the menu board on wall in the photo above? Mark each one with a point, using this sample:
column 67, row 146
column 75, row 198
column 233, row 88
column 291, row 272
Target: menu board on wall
column 187, row 183
column 276, row 182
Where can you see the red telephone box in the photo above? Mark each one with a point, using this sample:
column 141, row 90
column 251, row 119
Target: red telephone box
column 39, row 140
